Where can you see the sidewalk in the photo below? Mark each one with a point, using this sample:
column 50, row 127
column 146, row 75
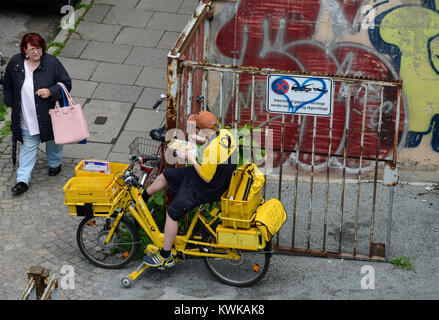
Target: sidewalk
column 117, row 58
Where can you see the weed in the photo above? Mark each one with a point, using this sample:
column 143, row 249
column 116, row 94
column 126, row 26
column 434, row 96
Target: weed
column 402, row 262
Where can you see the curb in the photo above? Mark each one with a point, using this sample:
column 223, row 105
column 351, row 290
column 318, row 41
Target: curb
column 64, row 34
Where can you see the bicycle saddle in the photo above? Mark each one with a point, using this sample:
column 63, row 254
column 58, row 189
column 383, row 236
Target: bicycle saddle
column 158, row 134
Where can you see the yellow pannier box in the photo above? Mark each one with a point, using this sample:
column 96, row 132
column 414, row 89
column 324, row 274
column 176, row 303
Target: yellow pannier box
column 115, row 168
column 244, row 195
column 249, row 239
column 97, row 194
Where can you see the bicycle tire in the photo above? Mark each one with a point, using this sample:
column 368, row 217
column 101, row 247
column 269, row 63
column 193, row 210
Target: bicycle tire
column 226, row 271
column 114, row 255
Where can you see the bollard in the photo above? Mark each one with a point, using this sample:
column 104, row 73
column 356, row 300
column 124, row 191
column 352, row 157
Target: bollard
column 39, row 285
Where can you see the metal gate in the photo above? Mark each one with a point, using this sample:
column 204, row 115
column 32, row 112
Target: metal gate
column 335, row 175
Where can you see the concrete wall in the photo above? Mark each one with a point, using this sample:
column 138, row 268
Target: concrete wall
column 389, row 40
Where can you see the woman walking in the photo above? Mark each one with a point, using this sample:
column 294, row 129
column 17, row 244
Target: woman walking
column 30, row 90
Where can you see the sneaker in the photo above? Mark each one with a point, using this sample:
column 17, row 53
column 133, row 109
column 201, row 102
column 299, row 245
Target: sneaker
column 156, row 260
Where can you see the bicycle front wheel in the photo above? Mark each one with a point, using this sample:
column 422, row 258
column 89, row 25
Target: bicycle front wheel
column 121, row 249
column 249, row 268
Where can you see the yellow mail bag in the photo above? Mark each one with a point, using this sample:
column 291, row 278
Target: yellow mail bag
column 270, row 216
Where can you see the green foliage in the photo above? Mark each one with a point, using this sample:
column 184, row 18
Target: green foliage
column 5, row 130
column 245, row 143
column 3, row 111
column 402, row 262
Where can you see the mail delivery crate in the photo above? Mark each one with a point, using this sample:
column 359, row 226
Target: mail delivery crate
column 237, row 213
column 115, row 168
column 100, row 191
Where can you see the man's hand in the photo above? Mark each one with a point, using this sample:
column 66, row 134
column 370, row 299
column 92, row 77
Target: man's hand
column 185, row 155
column 197, row 139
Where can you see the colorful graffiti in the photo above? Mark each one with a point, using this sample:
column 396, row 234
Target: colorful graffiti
column 414, row 30
column 376, row 39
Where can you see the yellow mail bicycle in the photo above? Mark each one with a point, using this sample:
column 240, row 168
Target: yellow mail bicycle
column 114, row 212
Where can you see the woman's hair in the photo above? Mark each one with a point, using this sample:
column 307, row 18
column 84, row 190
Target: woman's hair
column 35, row 40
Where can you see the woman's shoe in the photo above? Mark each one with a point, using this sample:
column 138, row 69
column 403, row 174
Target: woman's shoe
column 54, row 171
column 19, row 188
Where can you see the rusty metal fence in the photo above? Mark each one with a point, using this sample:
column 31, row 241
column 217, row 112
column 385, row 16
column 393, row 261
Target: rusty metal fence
column 335, row 175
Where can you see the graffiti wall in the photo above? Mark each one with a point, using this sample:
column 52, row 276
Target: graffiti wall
column 380, row 39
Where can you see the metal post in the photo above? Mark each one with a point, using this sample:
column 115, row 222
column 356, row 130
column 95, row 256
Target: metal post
column 389, row 222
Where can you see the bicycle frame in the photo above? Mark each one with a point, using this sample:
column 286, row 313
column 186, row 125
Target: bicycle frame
column 140, row 212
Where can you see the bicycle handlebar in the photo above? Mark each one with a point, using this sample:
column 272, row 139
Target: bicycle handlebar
column 159, row 101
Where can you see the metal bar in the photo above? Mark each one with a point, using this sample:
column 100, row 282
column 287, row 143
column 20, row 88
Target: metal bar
column 328, row 161
column 268, row 155
column 28, row 289
column 357, row 205
column 326, row 254
column 172, row 92
column 311, row 182
column 186, row 35
column 235, row 120
column 346, row 134
column 267, row 71
column 282, row 136
column 189, row 93
column 221, row 93
column 372, row 218
column 296, row 178
column 392, row 190
column 252, row 111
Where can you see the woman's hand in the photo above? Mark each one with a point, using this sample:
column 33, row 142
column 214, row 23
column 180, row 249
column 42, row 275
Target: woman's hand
column 43, row 93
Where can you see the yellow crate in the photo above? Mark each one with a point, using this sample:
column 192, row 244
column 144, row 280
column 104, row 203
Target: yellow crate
column 249, row 239
column 239, row 214
column 99, row 191
column 115, row 168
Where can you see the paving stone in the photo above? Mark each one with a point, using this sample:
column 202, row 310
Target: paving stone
column 97, row 13
column 116, row 73
column 87, row 151
column 153, row 78
column 97, row 31
column 139, row 37
column 168, row 21
column 143, row 119
column 151, row 57
column 79, row 69
column 168, row 40
column 149, row 97
column 188, row 7
column 117, row 92
column 124, row 3
column 73, row 48
column 128, row 17
column 160, row 5
column 82, row 88
column 104, row 51
column 127, row 136
column 116, row 113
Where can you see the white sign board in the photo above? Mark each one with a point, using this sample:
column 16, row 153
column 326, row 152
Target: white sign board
column 306, row 95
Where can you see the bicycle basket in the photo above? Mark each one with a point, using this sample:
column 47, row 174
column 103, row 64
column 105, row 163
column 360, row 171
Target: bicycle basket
column 146, row 146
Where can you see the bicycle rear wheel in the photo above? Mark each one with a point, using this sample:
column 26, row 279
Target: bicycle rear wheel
column 247, row 270
column 122, row 248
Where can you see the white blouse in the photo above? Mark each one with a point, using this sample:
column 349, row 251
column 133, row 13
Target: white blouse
column 29, row 120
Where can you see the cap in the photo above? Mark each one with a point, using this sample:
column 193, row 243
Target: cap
column 204, row 120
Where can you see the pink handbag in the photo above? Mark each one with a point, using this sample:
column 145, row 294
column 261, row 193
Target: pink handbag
column 68, row 123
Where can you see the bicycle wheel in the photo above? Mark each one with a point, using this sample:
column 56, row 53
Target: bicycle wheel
column 123, row 247
column 247, row 270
